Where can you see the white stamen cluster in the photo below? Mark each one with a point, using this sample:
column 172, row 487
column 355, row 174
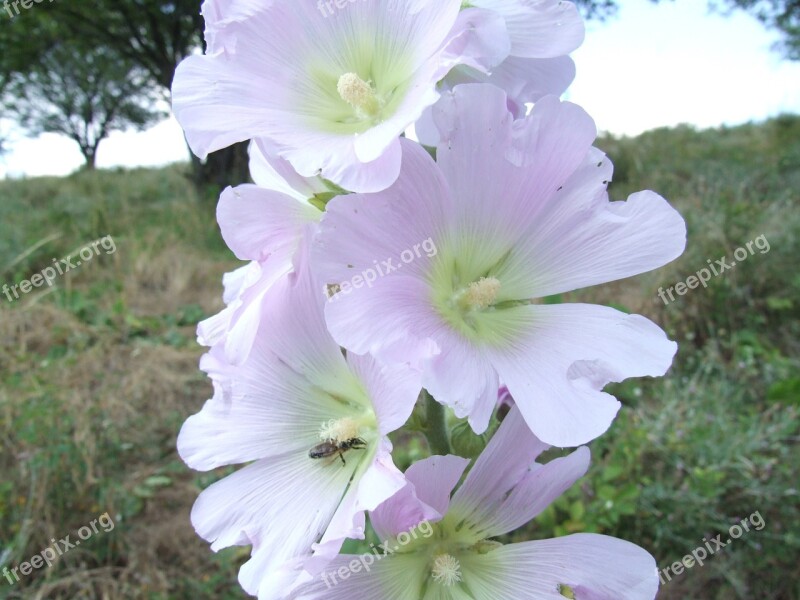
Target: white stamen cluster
column 357, row 93
column 446, row 570
column 482, row 293
column 339, row 430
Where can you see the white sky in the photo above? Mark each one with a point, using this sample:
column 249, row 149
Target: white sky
column 651, row 66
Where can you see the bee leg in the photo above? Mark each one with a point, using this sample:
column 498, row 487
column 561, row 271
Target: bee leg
column 341, row 455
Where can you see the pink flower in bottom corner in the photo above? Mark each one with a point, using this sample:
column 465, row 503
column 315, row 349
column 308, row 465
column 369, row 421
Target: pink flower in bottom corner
column 453, row 557
column 312, row 423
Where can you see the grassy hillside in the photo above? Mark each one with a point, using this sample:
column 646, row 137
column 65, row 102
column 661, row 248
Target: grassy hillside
column 100, row 370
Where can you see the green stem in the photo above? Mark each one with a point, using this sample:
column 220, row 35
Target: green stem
column 436, row 430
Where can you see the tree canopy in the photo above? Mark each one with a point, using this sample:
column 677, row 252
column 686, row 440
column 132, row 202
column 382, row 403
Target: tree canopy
column 85, row 93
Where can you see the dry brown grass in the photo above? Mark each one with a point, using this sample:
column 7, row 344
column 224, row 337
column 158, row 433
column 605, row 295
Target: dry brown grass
column 115, row 395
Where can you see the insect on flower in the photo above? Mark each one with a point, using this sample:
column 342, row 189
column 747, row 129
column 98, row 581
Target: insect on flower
column 331, row 447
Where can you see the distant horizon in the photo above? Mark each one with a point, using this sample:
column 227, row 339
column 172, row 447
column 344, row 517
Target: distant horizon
column 601, row 134
column 675, row 63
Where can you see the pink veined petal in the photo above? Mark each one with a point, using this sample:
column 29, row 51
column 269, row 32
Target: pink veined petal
column 370, row 320
column 540, row 29
column 380, row 481
column 254, row 501
column 485, row 153
column 462, row 377
column 435, row 477
column 401, row 512
column 564, row 356
column 524, row 80
column 530, row 79
column 367, row 576
column 502, row 464
column 594, row 567
column 577, row 243
column 358, row 231
column 266, row 409
column 277, row 174
column 218, row 14
column 539, row 488
column 260, row 577
column 236, row 284
column 480, row 39
column 336, row 159
column 255, row 222
column 394, row 389
column 425, row 497
column 245, row 314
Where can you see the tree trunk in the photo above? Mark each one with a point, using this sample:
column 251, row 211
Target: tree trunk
column 90, row 156
column 229, row 166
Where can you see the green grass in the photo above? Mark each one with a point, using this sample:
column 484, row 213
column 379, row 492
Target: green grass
column 99, row 372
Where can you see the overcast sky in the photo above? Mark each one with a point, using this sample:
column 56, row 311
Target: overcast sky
column 651, row 66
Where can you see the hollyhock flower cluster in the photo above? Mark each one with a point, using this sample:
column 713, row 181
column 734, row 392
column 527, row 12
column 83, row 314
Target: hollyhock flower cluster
column 456, row 558
column 391, row 288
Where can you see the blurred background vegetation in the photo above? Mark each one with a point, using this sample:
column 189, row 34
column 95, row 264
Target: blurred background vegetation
column 98, row 372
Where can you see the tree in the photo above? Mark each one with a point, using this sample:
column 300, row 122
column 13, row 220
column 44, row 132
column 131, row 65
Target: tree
column 783, row 15
column 84, row 93
column 155, row 35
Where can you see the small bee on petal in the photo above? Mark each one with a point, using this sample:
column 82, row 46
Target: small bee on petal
column 331, row 447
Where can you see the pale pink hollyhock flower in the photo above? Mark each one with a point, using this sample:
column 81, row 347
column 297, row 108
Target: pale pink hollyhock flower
column 442, row 549
column 329, row 91
column 295, row 395
column 518, row 211
column 264, row 223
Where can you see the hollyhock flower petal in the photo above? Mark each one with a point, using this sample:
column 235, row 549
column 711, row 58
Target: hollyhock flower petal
column 464, row 373
column 539, row 29
column 279, row 73
column 479, row 39
column 452, row 559
column 257, row 498
column 528, row 79
column 506, row 488
column 265, row 225
column 590, row 566
column 274, row 173
column 503, row 463
column 425, row 497
column 257, row 222
column 397, row 577
column 541, row 34
column 236, row 325
column 512, row 190
column 580, row 239
column 294, row 391
column 582, row 347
